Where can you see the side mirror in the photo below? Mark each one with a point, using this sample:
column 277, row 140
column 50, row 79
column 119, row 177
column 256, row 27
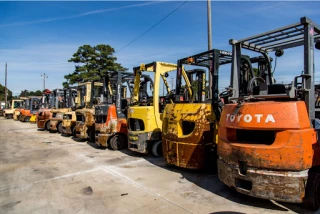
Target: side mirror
column 317, row 45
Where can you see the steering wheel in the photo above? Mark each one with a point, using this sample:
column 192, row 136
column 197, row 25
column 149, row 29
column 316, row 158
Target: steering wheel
column 144, row 96
column 226, row 93
column 97, row 100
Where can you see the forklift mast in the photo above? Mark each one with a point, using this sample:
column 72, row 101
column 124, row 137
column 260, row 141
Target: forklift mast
column 114, row 82
column 211, row 60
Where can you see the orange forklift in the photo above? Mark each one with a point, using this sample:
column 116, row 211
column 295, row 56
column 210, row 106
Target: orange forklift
column 268, row 143
column 111, row 115
column 33, row 106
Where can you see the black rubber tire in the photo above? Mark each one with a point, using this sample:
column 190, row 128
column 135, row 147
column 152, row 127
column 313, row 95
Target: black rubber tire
column 91, row 135
column 47, row 125
column 157, row 149
column 118, row 142
column 59, row 128
column 312, row 197
column 74, row 134
column 26, row 119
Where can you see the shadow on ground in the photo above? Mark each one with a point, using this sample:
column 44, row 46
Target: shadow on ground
column 211, row 182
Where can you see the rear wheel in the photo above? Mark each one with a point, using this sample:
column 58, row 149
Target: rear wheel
column 47, row 126
column 118, row 142
column 157, row 149
column 312, row 197
column 91, row 135
column 74, row 133
column 60, row 130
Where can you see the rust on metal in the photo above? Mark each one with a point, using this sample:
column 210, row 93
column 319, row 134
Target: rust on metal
column 43, row 116
column 285, row 186
column 82, row 128
column 272, row 164
column 188, row 137
column 68, row 122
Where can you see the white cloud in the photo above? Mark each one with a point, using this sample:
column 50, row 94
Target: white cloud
column 74, row 16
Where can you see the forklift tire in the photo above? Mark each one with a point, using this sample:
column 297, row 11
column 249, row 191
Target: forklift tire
column 47, row 126
column 91, row 135
column 74, row 134
column 26, row 119
column 118, row 142
column 312, row 197
column 157, row 149
column 60, row 130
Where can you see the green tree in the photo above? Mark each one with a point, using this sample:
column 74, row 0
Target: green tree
column 26, row 93
column 2, row 93
column 92, row 63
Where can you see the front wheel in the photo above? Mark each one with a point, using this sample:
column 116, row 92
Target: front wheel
column 118, row 142
column 26, row 119
column 157, row 149
column 312, row 197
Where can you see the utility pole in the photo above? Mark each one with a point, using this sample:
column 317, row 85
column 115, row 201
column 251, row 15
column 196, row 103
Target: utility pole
column 209, row 43
column 44, row 80
column 6, row 90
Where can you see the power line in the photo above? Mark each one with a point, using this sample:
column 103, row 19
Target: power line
column 153, row 26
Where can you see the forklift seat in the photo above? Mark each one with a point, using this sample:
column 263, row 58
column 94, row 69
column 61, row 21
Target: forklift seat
column 271, row 89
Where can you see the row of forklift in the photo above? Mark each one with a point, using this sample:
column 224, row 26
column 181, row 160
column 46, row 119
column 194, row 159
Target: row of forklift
column 259, row 136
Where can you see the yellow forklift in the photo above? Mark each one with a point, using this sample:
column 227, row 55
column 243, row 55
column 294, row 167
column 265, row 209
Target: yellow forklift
column 66, row 105
column 15, row 104
column 85, row 120
column 145, row 110
column 190, row 122
column 84, row 99
column 81, row 101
